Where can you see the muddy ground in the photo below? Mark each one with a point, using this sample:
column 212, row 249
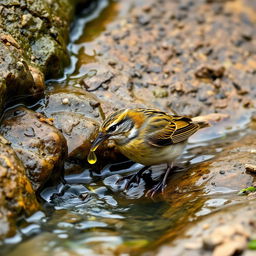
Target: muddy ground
column 186, row 57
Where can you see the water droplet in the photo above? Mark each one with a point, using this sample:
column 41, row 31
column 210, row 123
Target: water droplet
column 92, row 158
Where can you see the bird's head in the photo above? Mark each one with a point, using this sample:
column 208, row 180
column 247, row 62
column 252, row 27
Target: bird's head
column 121, row 126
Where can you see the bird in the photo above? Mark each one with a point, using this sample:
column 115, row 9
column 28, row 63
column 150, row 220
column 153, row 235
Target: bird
column 146, row 136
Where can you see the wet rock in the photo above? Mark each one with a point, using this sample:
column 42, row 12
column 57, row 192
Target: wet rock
column 210, row 72
column 93, row 83
column 144, row 19
column 16, row 193
column 223, row 234
column 77, row 114
column 226, row 240
column 33, row 39
column 250, row 168
column 230, row 163
column 40, row 146
column 16, row 78
column 160, row 93
column 41, row 30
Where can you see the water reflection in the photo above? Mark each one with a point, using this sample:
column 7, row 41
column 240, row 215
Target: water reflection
column 88, row 25
column 92, row 214
column 101, row 215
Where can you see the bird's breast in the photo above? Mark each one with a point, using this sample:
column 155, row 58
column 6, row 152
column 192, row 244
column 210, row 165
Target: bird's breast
column 141, row 152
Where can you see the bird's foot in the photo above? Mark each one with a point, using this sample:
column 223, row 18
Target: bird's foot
column 159, row 187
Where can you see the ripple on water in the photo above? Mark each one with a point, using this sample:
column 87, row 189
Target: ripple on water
column 92, row 214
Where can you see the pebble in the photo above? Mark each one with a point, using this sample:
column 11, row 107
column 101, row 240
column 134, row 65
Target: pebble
column 29, row 132
column 144, row 19
column 112, row 62
column 65, row 101
column 250, row 168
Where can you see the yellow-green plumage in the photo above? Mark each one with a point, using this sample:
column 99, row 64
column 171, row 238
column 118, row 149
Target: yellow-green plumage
column 147, row 136
column 160, row 138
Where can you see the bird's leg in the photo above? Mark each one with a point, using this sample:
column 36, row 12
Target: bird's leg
column 133, row 177
column 160, row 186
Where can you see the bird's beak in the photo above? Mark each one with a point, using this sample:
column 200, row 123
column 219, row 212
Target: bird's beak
column 99, row 140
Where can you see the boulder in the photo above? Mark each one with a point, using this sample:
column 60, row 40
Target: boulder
column 39, row 145
column 17, row 196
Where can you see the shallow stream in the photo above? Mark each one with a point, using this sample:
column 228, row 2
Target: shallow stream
column 92, row 214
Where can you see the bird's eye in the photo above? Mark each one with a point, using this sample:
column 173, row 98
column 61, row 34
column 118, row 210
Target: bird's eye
column 112, row 128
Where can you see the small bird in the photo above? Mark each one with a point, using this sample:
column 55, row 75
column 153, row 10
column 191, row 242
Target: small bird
column 148, row 137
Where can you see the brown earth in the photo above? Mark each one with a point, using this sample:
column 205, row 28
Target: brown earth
column 162, row 55
column 189, row 57
column 172, row 56
column 225, row 233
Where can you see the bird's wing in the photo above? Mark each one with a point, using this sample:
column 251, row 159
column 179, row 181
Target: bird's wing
column 185, row 127
column 164, row 130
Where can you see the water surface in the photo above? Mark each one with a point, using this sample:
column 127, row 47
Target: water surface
column 92, row 214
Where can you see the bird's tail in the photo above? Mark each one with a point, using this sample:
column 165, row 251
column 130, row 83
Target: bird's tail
column 208, row 120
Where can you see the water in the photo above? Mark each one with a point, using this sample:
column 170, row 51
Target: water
column 92, row 214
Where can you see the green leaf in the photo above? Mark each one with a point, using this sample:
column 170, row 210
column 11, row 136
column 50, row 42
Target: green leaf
column 252, row 245
column 246, row 191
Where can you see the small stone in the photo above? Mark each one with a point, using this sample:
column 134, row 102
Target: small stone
column 65, row 101
column 193, row 245
column 210, row 72
column 77, row 85
column 165, row 45
column 144, row 19
column 160, row 93
column 154, row 69
column 112, row 62
column 206, row 226
column 222, row 172
column 105, row 86
column 250, row 168
column 253, row 117
column 147, row 8
column 29, row 132
column 26, row 18
column 96, row 115
column 94, row 104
